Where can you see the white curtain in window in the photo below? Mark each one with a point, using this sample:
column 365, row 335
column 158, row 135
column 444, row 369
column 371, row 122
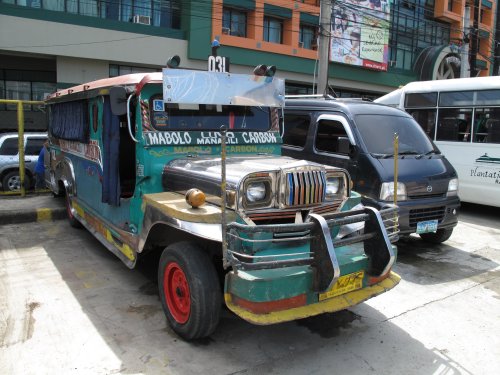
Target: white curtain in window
column 88, row 8
column 57, row 5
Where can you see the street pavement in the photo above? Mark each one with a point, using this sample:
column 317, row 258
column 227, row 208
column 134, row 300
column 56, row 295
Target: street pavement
column 68, row 306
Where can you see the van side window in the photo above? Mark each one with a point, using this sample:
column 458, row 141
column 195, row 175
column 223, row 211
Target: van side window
column 328, row 134
column 297, row 127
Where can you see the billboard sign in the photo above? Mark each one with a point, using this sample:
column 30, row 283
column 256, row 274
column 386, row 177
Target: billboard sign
column 360, row 33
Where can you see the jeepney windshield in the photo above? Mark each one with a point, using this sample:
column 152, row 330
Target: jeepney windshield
column 210, row 116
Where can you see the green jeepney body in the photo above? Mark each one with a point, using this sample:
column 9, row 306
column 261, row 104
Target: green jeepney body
column 288, row 237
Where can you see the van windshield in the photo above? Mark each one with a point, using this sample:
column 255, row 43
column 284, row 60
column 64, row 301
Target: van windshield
column 378, row 132
column 211, row 117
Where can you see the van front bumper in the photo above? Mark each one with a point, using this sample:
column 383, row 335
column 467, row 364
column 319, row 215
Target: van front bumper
column 412, row 211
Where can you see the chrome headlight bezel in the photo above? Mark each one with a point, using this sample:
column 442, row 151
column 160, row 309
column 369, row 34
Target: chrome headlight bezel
column 336, row 186
column 257, row 183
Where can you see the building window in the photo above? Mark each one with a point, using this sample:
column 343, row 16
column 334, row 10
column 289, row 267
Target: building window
column 450, row 5
column 162, row 13
column 234, row 22
column 119, row 70
column 273, row 30
column 306, row 37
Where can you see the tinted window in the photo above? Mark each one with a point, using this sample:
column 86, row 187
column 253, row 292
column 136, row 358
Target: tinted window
column 296, row 128
column 454, row 124
column 34, row 145
column 426, row 99
column 426, row 118
column 487, row 97
column 454, row 99
column 9, row 147
column 328, row 134
column 378, row 132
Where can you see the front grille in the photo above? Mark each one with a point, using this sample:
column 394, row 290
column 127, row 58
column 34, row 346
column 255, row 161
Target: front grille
column 426, row 196
column 305, row 188
column 423, row 214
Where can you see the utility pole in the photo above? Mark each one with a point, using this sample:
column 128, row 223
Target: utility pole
column 464, row 63
column 324, row 45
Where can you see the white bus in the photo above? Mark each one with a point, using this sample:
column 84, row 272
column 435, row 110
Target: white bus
column 462, row 116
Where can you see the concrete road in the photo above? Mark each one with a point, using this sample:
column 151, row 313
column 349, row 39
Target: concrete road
column 67, row 306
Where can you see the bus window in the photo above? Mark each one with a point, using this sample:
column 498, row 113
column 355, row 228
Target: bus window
column 426, row 118
column 454, row 124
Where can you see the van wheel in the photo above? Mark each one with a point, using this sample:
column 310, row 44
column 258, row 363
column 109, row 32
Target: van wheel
column 69, row 211
column 12, row 181
column 439, row 236
column 189, row 290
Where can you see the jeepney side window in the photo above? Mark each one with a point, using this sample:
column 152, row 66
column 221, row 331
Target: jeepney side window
column 70, row 121
column 204, row 117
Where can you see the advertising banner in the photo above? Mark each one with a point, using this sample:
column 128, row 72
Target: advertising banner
column 360, row 33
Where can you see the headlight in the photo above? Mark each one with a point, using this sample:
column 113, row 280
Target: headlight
column 256, row 192
column 452, row 187
column 387, row 191
column 334, row 188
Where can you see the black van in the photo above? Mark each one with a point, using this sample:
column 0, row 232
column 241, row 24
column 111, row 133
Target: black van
column 359, row 136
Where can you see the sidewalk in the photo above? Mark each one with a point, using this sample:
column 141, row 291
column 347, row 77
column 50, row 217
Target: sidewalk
column 32, row 207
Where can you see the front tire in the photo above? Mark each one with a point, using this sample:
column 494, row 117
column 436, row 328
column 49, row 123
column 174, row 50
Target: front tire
column 189, row 290
column 439, row 236
column 12, row 181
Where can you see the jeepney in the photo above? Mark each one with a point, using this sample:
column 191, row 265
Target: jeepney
column 188, row 163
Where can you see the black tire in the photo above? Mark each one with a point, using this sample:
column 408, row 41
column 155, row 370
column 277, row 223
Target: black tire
column 439, row 236
column 73, row 221
column 12, row 181
column 189, row 290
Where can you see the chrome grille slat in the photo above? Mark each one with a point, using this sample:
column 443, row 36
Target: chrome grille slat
column 304, row 188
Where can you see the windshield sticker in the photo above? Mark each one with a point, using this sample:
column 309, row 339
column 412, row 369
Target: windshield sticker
column 158, row 105
column 209, row 138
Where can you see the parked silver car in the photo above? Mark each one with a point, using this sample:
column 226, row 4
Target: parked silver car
column 9, row 159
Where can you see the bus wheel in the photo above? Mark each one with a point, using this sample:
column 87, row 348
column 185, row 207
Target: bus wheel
column 69, row 211
column 441, row 235
column 189, row 290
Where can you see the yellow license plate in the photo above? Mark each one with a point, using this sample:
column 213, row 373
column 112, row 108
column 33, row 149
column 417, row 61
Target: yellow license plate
column 344, row 284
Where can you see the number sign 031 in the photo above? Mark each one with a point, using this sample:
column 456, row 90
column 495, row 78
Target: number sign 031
column 218, row 64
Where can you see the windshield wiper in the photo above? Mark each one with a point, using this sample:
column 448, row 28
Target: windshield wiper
column 428, row 153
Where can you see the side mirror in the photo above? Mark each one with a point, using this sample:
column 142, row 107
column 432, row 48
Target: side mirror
column 118, row 100
column 343, row 145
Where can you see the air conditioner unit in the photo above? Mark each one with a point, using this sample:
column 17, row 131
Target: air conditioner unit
column 226, row 31
column 144, row 20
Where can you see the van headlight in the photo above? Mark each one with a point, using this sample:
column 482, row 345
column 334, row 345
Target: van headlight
column 334, row 188
column 452, row 187
column 387, row 191
column 257, row 193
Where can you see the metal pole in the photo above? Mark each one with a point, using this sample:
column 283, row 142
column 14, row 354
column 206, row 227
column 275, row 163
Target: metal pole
column 324, row 45
column 20, row 131
column 464, row 63
column 223, row 194
column 395, row 195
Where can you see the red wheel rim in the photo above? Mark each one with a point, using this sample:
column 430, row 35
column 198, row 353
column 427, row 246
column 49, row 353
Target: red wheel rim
column 176, row 291
column 68, row 207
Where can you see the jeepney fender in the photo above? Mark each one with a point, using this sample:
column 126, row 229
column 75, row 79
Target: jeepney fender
column 63, row 171
column 171, row 209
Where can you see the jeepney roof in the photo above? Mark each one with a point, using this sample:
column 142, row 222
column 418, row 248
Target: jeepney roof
column 105, row 83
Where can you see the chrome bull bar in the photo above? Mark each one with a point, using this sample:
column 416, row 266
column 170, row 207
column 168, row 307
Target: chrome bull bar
column 245, row 241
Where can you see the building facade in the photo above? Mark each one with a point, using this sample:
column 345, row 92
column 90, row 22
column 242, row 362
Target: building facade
column 51, row 44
